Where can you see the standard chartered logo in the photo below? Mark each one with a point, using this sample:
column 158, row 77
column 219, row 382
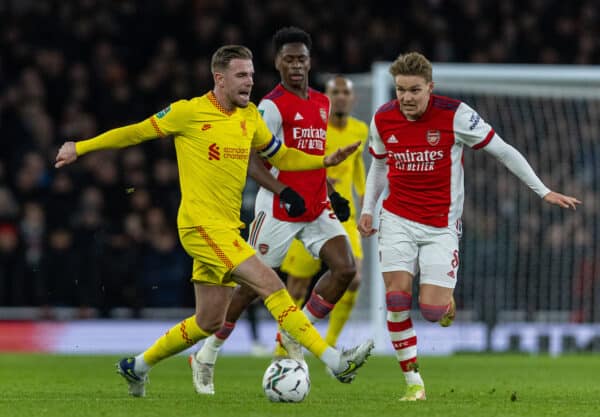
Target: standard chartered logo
column 236, row 153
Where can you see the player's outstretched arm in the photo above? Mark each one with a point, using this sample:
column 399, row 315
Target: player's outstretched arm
column 113, row 139
column 519, row 166
column 66, row 155
column 290, row 159
column 340, row 155
column 561, row 200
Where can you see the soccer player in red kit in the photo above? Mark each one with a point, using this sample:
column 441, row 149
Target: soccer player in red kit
column 298, row 114
column 417, row 144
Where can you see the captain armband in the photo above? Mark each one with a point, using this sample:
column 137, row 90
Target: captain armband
column 272, row 147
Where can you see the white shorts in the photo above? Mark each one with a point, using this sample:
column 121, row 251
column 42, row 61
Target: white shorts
column 405, row 245
column 272, row 237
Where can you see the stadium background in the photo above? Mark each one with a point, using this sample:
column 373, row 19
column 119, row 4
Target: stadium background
column 98, row 240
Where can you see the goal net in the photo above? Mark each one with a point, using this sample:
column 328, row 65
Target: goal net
column 521, row 259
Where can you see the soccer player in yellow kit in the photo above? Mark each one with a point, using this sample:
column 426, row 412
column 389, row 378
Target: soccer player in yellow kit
column 350, row 174
column 213, row 137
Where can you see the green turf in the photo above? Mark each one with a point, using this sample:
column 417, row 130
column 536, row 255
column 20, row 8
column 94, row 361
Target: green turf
column 462, row 385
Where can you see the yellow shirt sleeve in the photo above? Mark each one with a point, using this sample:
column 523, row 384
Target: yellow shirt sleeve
column 173, row 119
column 272, row 148
column 118, row 138
column 290, row 159
column 169, row 121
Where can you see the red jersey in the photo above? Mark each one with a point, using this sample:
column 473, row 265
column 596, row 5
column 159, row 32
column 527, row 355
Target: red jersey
column 302, row 123
column 424, row 157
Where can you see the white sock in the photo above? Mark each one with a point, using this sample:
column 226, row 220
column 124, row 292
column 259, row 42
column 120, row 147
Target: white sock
column 332, row 358
column 312, row 318
column 210, row 350
column 413, row 378
column 140, row 367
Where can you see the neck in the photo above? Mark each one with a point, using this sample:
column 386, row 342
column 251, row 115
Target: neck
column 301, row 91
column 339, row 120
column 222, row 100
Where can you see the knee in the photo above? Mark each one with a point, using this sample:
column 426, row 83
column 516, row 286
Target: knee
column 209, row 324
column 432, row 312
column 345, row 272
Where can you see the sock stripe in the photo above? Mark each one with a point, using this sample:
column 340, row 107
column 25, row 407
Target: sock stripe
column 405, row 365
column 184, row 334
column 225, row 330
column 394, row 326
column 281, row 317
column 401, row 330
column 402, row 335
column 433, row 312
column 406, row 343
column 318, row 306
column 398, row 300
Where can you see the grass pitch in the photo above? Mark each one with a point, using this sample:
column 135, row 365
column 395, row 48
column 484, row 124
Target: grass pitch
column 461, row 385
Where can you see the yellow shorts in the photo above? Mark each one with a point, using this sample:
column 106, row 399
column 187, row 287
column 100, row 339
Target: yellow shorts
column 299, row 262
column 354, row 236
column 216, row 252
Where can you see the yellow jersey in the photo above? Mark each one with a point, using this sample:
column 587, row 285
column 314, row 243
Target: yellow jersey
column 213, row 148
column 350, row 173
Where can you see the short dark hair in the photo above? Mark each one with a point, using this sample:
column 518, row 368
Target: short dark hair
column 291, row 34
column 223, row 56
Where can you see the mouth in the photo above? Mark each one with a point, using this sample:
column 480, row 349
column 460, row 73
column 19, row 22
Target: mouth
column 244, row 94
column 296, row 77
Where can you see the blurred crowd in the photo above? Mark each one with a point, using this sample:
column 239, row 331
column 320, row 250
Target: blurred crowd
column 102, row 233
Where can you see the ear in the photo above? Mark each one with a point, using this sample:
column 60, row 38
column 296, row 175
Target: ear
column 219, row 79
column 431, row 87
column 277, row 62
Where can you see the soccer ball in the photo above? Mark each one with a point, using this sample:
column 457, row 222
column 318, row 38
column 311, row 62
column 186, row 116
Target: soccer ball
column 286, row 380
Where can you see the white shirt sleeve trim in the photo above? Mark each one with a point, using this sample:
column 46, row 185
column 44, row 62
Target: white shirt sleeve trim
column 272, row 117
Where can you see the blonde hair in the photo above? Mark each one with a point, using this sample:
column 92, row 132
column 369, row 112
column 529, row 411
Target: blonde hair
column 225, row 54
column 412, row 63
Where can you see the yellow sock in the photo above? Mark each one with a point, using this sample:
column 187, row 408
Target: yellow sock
column 291, row 319
column 177, row 338
column 339, row 316
column 279, row 350
column 298, row 301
